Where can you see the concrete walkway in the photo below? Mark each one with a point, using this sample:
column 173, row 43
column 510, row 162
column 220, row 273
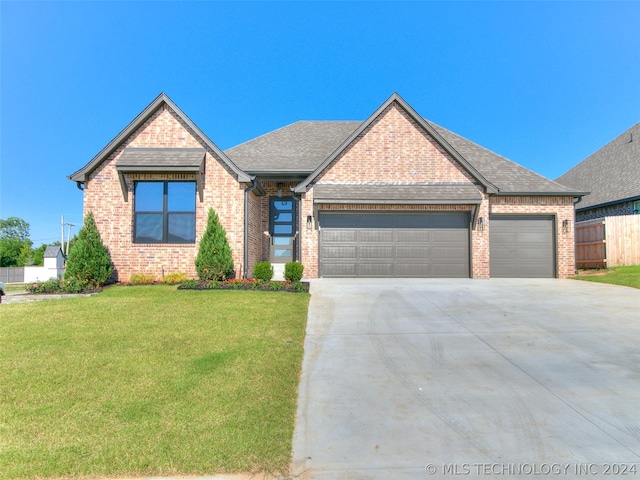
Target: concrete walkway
column 471, row 378
column 23, row 297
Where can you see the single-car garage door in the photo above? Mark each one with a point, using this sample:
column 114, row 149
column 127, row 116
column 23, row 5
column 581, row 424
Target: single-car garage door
column 425, row 244
column 522, row 246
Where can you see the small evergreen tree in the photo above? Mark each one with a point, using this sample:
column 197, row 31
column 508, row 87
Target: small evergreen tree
column 89, row 260
column 214, row 260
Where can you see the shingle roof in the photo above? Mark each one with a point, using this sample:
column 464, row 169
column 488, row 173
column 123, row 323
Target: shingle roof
column 306, row 146
column 161, row 158
column 506, row 175
column 397, row 194
column 52, row 251
column 611, row 174
column 299, row 147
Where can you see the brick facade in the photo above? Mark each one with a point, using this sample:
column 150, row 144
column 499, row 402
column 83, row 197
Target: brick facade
column 392, row 149
column 560, row 207
column 114, row 217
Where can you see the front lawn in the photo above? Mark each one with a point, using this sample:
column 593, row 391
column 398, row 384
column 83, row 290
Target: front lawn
column 149, row 380
column 627, row 276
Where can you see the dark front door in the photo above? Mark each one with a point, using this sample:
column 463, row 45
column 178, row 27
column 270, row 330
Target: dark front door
column 282, row 228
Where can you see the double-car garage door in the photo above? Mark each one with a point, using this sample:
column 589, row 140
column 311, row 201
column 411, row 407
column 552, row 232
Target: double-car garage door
column 431, row 244
column 425, row 244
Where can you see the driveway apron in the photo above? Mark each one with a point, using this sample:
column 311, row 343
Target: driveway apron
column 501, row 378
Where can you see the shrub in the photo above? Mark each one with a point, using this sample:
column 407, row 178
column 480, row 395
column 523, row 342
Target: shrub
column 89, row 260
column 142, row 279
column 298, row 287
column 214, row 260
column 293, row 271
column 263, row 271
column 74, row 285
column 275, row 286
column 175, row 278
column 190, row 283
column 53, row 285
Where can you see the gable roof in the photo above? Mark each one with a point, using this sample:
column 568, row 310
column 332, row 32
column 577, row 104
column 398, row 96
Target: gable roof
column 82, row 175
column 299, row 147
column 612, row 174
column 305, row 185
column 52, row 251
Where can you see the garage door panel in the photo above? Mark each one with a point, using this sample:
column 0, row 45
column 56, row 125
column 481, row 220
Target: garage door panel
column 395, row 244
column 413, row 236
column 413, row 252
column 375, row 270
column 341, row 269
column 522, row 246
column 375, row 236
column 375, row 252
column 339, row 252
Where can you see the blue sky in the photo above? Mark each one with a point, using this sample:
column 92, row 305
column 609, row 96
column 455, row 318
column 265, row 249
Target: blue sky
column 542, row 83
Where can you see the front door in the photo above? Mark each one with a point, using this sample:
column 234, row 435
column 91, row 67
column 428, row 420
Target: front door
column 282, row 228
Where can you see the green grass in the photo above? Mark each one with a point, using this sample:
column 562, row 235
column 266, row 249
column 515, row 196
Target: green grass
column 626, row 276
column 149, row 380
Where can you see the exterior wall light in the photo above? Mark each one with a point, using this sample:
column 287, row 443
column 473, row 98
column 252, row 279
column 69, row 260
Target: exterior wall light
column 566, row 228
column 481, row 224
column 309, row 222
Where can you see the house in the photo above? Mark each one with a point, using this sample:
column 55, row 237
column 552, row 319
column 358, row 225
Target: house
column 54, row 258
column 53, row 266
column 611, row 175
column 392, row 196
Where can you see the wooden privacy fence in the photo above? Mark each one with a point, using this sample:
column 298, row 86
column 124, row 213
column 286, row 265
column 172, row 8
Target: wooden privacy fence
column 608, row 242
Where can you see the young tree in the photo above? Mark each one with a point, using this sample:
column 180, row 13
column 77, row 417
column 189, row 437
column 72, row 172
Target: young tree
column 89, row 260
column 25, row 259
column 214, row 260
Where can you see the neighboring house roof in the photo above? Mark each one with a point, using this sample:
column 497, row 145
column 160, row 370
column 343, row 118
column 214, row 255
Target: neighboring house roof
column 299, row 147
column 52, row 251
column 82, row 175
column 612, row 174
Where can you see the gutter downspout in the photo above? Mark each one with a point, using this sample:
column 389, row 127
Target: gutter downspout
column 299, row 222
column 253, row 186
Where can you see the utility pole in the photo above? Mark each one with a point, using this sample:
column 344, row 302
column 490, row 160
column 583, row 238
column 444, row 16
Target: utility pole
column 69, row 225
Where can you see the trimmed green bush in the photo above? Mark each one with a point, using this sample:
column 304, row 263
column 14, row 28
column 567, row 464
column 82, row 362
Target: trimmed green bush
column 293, row 271
column 263, row 271
column 214, row 260
column 89, row 260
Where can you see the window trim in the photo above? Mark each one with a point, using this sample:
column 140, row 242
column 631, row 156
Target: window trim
column 165, row 213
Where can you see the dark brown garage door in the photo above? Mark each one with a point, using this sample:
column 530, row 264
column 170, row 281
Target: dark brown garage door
column 394, row 244
column 522, row 247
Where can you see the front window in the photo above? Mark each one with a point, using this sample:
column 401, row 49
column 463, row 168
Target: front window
column 165, row 212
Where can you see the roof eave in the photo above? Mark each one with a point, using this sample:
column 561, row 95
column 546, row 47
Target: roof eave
column 608, row 204
column 539, row 194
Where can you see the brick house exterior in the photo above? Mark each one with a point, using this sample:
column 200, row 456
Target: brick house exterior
column 291, row 195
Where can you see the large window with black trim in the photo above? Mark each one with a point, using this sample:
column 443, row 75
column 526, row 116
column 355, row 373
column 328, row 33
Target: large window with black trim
column 164, row 212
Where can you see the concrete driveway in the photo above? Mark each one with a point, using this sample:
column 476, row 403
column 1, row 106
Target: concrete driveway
column 471, row 378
